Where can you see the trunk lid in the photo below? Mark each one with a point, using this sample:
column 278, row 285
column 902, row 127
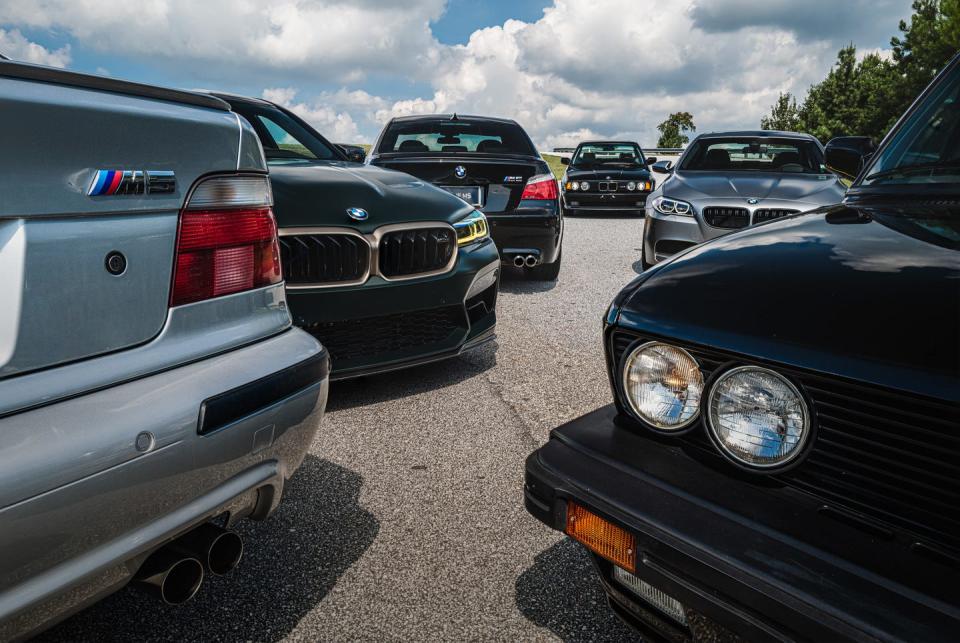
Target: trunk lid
column 63, row 298
column 501, row 180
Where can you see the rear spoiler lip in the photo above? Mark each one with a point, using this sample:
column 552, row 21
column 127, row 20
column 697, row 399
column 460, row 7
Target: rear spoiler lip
column 26, row 71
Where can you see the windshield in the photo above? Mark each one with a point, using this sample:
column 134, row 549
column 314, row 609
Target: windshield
column 461, row 136
column 282, row 136
column 744, row 154
column 926, row 149
column 619, row 154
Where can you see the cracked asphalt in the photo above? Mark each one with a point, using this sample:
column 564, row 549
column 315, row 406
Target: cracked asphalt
column 406, row 520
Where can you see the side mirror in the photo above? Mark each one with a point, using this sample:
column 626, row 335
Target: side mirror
column 662, row 167
column 651, row 160
column 564, row 160
column 356, row 156
column 846, row 155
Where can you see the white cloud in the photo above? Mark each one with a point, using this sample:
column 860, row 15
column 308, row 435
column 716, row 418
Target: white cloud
column 336, row 126
column 16, row 47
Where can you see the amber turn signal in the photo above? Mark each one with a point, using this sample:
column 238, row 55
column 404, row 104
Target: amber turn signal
column 602, row 537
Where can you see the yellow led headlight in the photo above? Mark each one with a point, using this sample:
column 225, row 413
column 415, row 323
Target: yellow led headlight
column 472, row 228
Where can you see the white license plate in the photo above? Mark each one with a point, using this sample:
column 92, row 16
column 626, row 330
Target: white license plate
column 472, row 194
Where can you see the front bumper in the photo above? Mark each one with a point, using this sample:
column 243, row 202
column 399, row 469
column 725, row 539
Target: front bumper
column 765, row 563
column 605, row 202
column 382, row 326
column 225, row 434
column 529, row 230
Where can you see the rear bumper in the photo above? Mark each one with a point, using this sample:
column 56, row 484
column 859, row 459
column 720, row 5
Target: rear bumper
column 766, row 564
column 98, row 505
column 528, row 230
column 382, row 326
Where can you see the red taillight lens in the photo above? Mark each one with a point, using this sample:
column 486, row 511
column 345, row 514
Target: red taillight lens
column 225, row 251
column 542, row 187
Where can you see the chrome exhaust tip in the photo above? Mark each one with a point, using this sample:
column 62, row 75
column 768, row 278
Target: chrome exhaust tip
column 531, row 261
column 219, row 549
column 518, row 261
column 170, row 576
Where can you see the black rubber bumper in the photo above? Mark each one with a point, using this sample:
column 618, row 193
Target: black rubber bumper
column 767, row 563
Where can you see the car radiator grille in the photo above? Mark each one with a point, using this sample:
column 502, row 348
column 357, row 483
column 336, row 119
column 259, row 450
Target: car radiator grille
column 324, row 258
column 882, row 453
column 768, row 214
column 410, row 252
column 727, row 217
column 370, row 337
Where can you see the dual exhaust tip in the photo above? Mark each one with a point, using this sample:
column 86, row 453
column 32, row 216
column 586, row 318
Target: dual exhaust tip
column 175, row 572
column 528, row 261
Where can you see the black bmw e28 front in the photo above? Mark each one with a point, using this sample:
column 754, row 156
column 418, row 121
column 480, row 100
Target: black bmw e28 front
column 493, row 165
column 787, row 467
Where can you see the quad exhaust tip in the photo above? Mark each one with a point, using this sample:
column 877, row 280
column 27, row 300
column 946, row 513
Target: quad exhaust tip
column 170, row 576
column 219, row 549
column 518, row 261
column 531, row 261
column 528, row 261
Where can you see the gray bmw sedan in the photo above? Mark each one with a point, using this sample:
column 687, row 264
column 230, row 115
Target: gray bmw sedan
column 726, row 181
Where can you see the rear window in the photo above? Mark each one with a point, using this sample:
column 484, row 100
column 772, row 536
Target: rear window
column 796, row 156
column 460, row 136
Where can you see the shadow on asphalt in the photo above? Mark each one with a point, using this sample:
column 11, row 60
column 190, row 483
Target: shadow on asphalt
column 372, row 389
column 290, row 562
column 561, row 592
column 601, row 214
column 517, row 282
column 637, row 266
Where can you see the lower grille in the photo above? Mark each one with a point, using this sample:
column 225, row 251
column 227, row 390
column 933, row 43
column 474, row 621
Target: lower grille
column 411, row 252
column 883, row 453
column 371, row 337
column 324, row 258
column 768, row 214
column 727, row 217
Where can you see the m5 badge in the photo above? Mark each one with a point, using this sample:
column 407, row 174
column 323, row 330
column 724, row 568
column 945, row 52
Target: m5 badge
column 513, row 179
column 116, row 182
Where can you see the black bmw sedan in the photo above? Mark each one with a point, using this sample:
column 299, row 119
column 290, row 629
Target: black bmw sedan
column 493, row 165
column 605, row 176
column 787, row 466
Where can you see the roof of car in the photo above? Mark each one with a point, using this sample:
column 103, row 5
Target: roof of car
column 227, row 96
column 448, row 117
column 759, row 133
column 608, row 143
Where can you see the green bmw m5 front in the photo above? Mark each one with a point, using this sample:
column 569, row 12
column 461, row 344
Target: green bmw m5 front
column 387, row 271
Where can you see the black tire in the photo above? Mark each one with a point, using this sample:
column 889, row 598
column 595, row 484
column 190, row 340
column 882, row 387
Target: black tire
column 547, row 271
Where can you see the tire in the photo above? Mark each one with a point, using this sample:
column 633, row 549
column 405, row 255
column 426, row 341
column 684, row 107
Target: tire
column 547, row 271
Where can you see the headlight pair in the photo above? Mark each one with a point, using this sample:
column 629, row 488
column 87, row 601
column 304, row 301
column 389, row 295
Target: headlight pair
column 664, row 205
column 472, row 228
column 756, row 416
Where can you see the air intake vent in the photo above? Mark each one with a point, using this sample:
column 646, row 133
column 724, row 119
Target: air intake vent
column 407, row 253
column 768, row 214
column 727, row 217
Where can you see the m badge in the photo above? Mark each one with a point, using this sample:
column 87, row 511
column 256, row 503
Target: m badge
column 121, row 182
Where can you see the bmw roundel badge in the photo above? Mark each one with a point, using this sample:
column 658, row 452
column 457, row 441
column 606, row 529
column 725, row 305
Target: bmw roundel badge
column 753, row 201
column 357, row 214
column 460, row 171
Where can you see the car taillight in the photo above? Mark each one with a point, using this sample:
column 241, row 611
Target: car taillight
column 227, row 242
column 541, row 187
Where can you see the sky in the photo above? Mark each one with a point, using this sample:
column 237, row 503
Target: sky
column 566, row 70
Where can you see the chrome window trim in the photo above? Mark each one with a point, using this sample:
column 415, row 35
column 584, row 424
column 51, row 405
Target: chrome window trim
column 373, row 243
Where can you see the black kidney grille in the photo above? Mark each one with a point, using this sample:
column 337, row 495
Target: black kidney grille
column 324, row 258
column 884, row 453
column 727, row 217
column 410, row 252
column 372, row 337
column 768, row 214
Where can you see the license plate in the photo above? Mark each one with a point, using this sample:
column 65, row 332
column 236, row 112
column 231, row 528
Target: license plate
column 472, row 194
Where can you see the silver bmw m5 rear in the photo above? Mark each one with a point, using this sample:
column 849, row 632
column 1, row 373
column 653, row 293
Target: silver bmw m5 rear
column 727, row 181
column 152, row 389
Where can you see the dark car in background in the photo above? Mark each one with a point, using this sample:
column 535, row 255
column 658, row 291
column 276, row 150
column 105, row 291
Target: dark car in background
column 385, row 270
column 493, row 165
column 730, row 180
column 606, row 176
column 784, row 464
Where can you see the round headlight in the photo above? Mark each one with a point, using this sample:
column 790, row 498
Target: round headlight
column 663, row 385
column 574, row 186
column 584, row 186
column 758, row 417
column 631, row 186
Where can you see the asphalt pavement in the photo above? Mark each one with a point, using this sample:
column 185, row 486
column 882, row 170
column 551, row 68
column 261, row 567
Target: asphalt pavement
column 406, row 520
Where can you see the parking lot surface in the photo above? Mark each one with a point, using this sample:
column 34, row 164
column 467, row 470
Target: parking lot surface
column 406, row 520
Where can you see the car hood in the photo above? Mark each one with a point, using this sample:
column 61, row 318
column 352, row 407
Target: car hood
column 867, row 293
column 605, row 173
column 319, row 194
column 817, row 189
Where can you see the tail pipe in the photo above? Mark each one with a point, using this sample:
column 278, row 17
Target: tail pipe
column 530, row 261
column 518, row 261
column 217, row 548
column 170, row 575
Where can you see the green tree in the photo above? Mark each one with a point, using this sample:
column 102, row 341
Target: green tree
column 673, row 131
column 930, row 39
column 784, row 115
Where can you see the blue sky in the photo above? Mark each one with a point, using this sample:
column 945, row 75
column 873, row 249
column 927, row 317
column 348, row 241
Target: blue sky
column 565, row 69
